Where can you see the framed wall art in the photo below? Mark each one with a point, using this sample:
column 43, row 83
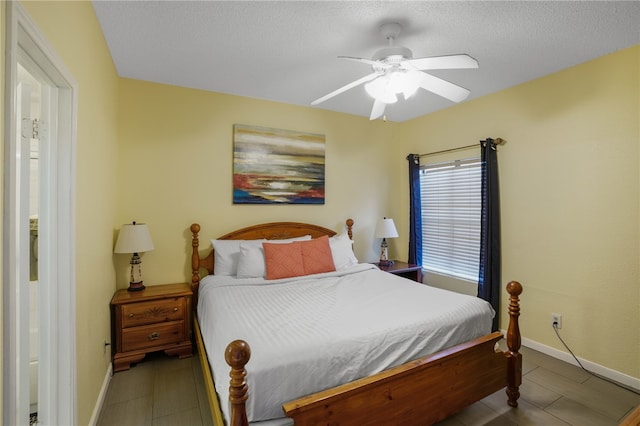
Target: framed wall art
column 273, row 166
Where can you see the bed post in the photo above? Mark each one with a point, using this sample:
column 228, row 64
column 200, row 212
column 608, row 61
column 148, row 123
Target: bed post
column 237, row 355
column 350, row 228
column 514, row 358
column 195, row 263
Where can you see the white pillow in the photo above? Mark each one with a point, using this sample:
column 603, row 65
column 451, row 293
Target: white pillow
column 251, row 263
column 226, row 254
column 342, row 251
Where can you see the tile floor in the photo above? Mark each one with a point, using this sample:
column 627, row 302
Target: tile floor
column 167, row 391
column 159, row 391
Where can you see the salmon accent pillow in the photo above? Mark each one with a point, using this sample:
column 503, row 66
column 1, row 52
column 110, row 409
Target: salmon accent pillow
column 251, row 263
column 316, row 256
column 283, row 260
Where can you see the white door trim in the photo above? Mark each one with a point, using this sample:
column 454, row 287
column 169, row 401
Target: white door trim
column 58, row 386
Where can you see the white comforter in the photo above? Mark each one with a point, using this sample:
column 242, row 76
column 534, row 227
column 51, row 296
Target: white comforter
column 311, row 333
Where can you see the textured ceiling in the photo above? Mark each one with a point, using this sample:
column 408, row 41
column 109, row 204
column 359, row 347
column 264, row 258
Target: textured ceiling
column 286, row 51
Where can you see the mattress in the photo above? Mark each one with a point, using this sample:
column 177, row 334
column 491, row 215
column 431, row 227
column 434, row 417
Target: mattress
column 315, row 332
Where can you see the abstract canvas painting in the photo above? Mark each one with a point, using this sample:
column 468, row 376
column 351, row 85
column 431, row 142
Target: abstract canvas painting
column 272, row 166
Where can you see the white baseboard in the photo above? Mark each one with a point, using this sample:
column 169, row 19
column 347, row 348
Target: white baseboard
column 616, row 376
column 101, row 397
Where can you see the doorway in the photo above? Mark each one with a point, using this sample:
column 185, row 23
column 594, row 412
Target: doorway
column 38, row 229
column 32, row 132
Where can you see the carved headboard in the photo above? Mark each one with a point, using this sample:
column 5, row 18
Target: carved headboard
column 269, row 231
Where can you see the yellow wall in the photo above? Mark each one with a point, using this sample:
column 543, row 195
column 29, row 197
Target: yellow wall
column 570, row 199
column 176, row 161
column 73, row 31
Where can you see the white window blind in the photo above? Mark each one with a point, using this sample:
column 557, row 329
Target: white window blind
column 451, row 208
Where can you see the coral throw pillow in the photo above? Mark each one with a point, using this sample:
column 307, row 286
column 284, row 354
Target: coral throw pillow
column 283, row 260
column 316, row 256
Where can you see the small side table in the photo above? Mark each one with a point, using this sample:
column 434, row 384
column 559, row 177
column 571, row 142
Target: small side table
column 154, row 319
column 404, row 269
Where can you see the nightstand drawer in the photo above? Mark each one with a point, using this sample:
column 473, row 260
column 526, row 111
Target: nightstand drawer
column 153, row 312
column 157, row 318
column 152, row 335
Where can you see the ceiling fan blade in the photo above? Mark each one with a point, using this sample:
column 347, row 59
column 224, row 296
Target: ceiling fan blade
column 366, row 61
column 443, row 88
column 378, row 109
column 441, row 63
column 346, row 87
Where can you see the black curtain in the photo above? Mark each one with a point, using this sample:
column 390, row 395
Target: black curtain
column 489, row 276
column 415, row 211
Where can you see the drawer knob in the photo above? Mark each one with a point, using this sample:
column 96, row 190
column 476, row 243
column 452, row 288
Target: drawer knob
column 130, row 315
column 175, row 309
column 154, row 335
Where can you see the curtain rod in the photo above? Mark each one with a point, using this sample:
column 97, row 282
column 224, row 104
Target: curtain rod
column 497, row 141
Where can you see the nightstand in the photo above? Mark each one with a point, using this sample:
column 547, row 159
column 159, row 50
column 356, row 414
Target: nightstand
column 404, row 269
column 154, row 319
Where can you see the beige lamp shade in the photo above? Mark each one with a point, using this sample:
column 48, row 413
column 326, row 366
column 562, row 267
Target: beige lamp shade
column 386, row 228
column 134, row 238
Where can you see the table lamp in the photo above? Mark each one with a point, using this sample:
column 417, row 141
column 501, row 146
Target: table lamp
column 134, row 238
column 385, row 228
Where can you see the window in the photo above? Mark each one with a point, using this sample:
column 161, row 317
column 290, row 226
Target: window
column 451, row 207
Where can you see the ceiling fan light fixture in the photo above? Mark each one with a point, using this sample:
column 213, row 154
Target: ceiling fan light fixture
column 380, row 89
column 386, row 87
column 405, row 82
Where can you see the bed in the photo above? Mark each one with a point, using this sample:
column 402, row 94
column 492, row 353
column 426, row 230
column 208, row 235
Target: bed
column 361, row 370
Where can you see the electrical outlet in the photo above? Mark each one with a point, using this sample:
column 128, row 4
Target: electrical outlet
column 106, row 343
column 557, row 320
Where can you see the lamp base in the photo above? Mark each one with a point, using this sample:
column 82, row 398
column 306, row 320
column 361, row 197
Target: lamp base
column 386, row 262
column 136, row 286
column 384, row 253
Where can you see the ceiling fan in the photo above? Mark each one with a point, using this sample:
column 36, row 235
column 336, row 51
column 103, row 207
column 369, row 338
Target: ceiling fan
column 395, row 71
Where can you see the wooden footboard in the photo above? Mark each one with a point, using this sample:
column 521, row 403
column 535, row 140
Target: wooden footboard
column 419, row 392
column 422, row 391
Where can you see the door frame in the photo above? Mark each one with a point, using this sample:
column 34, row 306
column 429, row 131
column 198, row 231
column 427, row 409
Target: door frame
column 58, row 385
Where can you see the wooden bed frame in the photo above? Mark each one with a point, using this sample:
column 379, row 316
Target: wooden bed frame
column 422, row 391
